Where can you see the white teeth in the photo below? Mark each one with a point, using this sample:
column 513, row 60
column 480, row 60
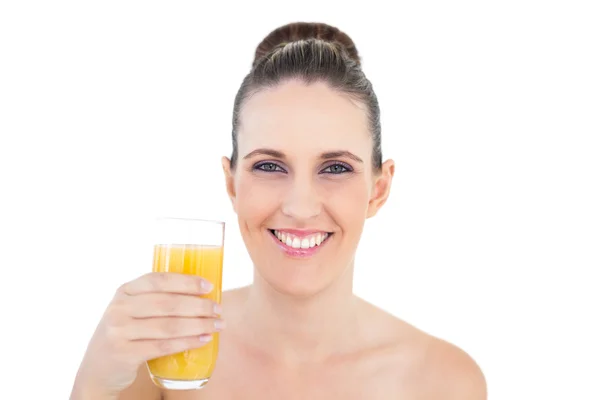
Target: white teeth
column 301, row 243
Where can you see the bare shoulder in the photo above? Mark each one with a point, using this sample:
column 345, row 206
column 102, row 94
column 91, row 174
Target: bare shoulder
column 231, row 302
column 453, row 372
column 433, row 367
column 233, row 294
column 233, row 297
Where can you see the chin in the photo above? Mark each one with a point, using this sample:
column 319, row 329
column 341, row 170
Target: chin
column 297, row 272
column 295, row 282
column 295, row 278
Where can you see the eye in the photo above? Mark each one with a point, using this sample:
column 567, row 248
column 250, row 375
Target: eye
column 337, row 168
column 268, row 167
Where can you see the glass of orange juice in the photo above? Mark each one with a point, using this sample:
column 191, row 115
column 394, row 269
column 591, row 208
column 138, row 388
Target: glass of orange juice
column 195, row 247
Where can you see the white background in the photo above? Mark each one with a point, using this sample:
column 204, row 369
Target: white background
column 114, row 112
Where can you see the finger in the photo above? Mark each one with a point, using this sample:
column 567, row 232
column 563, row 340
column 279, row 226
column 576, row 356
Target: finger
column 148, row 305
column 167, row 282
column 150, row 349
column 170, row 327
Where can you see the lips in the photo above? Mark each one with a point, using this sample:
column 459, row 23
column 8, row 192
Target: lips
column 300, row 243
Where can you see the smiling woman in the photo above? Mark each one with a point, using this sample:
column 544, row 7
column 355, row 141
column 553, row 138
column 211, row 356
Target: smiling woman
column 301, row 172
column 305, row 173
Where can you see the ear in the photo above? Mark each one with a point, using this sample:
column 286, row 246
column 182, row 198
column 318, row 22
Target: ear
column 229, row 182
column 381, row 188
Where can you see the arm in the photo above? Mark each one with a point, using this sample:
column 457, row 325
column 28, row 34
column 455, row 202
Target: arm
column 141, row 388
column 152, row 316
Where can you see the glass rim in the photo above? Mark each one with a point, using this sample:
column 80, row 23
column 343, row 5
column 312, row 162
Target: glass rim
column 210, row 221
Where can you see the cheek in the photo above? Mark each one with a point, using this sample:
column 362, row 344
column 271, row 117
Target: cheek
column 256, row 200
column 347, row 203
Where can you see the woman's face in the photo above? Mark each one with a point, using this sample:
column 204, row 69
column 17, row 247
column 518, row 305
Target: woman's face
column 304, row 184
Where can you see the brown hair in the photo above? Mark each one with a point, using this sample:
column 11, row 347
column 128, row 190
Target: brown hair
column 310, row 52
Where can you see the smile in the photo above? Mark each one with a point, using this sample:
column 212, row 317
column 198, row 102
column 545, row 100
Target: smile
column 297, row 243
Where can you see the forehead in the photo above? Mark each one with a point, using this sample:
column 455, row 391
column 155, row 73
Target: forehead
column 295, row 117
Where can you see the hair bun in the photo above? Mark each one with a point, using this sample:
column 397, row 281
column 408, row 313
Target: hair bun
column 302, row 31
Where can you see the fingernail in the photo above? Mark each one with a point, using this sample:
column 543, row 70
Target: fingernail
column 205, row 338
column 219, row 324
column 207, row 286
column 218, row 309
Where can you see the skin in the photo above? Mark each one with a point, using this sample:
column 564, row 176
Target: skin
column 298, row 332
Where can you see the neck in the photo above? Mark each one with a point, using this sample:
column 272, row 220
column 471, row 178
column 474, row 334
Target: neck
column 296, row 330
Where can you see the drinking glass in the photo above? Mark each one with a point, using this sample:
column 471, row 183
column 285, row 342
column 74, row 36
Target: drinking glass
column 195, row 247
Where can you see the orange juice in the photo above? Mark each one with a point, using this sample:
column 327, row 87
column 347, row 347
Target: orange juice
column 204, row 261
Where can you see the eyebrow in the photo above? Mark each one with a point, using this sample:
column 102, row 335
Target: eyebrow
column 341, row 153
column 265, row 152
column 323, row 156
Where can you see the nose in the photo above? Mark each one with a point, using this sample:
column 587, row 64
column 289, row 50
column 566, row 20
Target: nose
column 302, row 201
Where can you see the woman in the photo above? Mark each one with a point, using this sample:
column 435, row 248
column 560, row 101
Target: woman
column 305, row 173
